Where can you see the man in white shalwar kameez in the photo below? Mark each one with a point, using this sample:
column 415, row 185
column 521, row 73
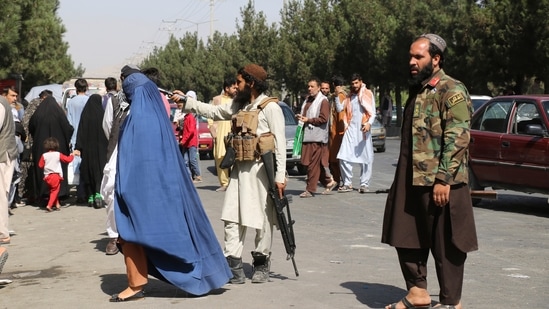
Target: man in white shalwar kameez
column 357, row 147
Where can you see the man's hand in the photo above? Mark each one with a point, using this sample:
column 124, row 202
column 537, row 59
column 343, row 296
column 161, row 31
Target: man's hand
column 441, row 194
column 280, row 187
column 178, row 96
column 366, row 127
column 302, row 118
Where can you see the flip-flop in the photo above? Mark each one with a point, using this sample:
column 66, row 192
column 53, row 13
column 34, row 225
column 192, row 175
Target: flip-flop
column 408, row 305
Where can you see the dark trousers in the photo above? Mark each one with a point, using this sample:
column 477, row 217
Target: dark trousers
column 336, row 171
column 449, row 262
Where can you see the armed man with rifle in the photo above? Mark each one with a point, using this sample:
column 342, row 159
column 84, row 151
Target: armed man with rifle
column 257, row 128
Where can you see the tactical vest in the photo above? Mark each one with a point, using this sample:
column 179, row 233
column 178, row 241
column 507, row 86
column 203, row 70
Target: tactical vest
column 247, row 144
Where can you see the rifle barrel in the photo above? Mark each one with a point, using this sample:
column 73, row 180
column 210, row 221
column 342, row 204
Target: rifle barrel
column 484, row 194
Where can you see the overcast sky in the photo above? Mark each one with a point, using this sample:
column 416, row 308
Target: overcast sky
column 103, row 35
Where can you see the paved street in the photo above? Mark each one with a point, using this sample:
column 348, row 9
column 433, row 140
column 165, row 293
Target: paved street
column 57, row 259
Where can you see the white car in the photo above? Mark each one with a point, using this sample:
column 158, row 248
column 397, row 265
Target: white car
column 479, row 100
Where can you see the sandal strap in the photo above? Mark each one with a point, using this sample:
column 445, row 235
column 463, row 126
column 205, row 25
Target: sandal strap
column 408, row 304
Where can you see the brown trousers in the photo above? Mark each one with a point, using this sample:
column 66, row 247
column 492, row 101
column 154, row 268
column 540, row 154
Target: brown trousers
column 315, row 157
column 136, row 263
column 449, row 262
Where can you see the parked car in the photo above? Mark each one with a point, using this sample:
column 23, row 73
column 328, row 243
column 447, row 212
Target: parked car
column 70, row 93
column 479, row 100
column 378, row 136
column 205, row 139
column 509, row 146
column 176, row 129
column 291, row 126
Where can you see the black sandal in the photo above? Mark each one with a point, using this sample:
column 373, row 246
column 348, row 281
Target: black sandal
column 137, row 296
column 408, row 305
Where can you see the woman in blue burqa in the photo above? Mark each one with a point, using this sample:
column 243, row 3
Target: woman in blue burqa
column 163, row 229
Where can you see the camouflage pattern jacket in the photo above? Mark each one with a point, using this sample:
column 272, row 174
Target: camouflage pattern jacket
column 441, row 131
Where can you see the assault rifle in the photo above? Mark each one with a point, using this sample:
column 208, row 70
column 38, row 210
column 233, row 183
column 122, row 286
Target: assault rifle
column 284, row 218
column 480, row 194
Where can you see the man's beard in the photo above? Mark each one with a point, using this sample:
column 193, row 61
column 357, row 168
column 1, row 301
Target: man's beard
column 243, row 97
column 422, row 75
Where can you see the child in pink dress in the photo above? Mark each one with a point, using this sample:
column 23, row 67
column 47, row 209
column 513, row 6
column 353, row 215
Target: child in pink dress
column 50, row 161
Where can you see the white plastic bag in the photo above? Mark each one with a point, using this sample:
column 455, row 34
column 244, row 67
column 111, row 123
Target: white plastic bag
column 73, row 171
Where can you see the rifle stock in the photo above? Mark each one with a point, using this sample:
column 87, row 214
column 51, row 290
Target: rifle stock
column 285, row 222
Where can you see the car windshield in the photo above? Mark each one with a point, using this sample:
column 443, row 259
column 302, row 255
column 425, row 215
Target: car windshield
column 477, row 103
column 289, row 117
column 377, row 124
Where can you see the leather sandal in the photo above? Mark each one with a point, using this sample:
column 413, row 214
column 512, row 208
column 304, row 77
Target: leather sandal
column 408, row 305
column 330, row 187
column 345, row 189
column 306, row 194
column 137, row 296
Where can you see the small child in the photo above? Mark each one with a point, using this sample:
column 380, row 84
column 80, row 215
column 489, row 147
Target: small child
column 50, row 161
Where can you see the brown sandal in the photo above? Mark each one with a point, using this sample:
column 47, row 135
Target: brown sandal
column 306, row 194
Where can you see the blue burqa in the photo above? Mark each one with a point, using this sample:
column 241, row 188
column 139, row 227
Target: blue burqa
column 156, row 204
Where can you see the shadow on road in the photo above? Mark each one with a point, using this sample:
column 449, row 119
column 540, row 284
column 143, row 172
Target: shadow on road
column 114, row 283
column 374, row 295
column 518, row 203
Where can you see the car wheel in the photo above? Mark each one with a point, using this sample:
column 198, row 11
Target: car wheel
column 381, row 149
column 474, row 185
column 302, row 169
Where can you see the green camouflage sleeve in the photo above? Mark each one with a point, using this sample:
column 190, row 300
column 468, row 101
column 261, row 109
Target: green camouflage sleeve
column 456, row 134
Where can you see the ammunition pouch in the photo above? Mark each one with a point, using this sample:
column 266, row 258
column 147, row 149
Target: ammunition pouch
column 249, row 147
column 247, row 144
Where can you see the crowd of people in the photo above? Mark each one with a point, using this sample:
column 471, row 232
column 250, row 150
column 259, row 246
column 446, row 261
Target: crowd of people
column 120, row 142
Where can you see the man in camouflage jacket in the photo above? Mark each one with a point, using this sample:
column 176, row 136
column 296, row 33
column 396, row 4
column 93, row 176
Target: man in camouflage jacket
column 429, row 205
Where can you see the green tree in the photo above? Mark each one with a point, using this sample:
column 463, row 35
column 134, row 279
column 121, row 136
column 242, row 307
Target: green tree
column 257, row 41
column 42, row 54
column 516, row 42
column 9, row 30
column 310, row 36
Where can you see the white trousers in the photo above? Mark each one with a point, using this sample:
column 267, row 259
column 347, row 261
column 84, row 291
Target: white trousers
column 6, row 173
column 347, row 173
column 235, row 235
column 107, row 191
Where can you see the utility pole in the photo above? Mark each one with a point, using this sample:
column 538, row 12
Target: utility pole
column 171, row 26
column 211, row 18
column 196, row 24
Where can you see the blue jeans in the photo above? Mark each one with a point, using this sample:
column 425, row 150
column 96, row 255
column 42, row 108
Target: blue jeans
column 191, row 160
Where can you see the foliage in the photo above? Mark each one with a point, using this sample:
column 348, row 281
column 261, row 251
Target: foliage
column 32, row 44
column 491, row 44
